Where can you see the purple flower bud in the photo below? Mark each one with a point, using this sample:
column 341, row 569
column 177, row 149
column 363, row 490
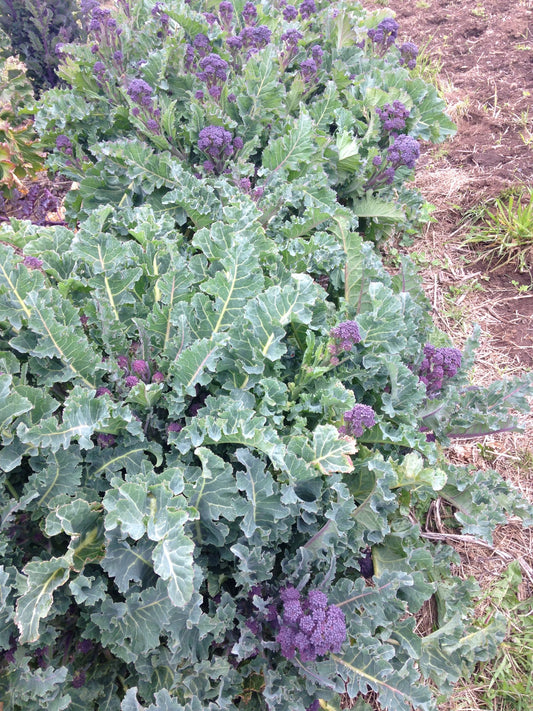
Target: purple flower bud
column 131, row 381
column 135, row 111
column 152, row 125
column 307, row 8
column 245, row 185
column 345, row 336
column 118, row 56
column 377, row 161
column 215, row 92
column 232, row 98
column 238, row 143
column 78, row 679
column 359, row 417
column 95, row 48
column 98, row 69
column 32, row 262
column 84, row 646
column 199, row 95
column 290, row 13
column 141, row 368
column 249, row 13
column 102, row 391
column 158, row 377
column 174, row 427
column 123, row 363
column 104, row 441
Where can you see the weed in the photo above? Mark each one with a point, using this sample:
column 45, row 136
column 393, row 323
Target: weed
column 507, row 231
column 428, row 65
column 506, row 683
column 479, row 11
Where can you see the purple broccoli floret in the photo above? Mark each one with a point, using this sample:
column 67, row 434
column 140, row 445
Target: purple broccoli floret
column 404, row 151
column 225, row 12
column 131, row 381
column 393, row 117
column 141, row 368
column 438, row 365
column 344, row 336
column 174, row 427
column 32, row 262
column 249, row 13
column 384, row 35
column 102, row 391
column 356, row 419
column 290, row 13
column 140, row 93
column 213, row 69
column 408, row 54
column 309, row 627
column 104, row 441
column 307, row 8
column 308, row 70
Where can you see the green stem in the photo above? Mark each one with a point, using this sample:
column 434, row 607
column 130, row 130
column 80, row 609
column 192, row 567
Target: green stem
column 11, row 489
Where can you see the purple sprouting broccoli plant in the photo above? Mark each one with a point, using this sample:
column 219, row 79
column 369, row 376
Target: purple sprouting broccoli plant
column 393, row 117
column 384, row 35
column 317, row 53
column 307, row 8
column 290, row 13
column 438, row 366
column 104, row 32
column 249, row 14
column 309, row 627
column 131, row 381
column 290, row 49
column 308, row 71
column 219, row 145
column 214, row 72
column 356, row 419
column 64, row 144
column 405, row 150
column 140, row 92
column 141, row 369
column 225, row 14
column 344, row 337
column 104, row 441
column 32, row 262
column 408, row 54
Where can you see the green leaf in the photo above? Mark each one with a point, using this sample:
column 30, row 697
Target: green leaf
column 133, row 627
column 327, row 452
column 370, row 206
column 295, row 148
column 40, row 579
column 11, row 403
column 125, row 561
column 60, row 475
column 263, row 509
column 83, row 415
